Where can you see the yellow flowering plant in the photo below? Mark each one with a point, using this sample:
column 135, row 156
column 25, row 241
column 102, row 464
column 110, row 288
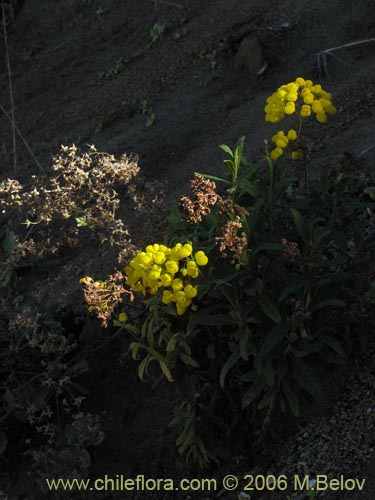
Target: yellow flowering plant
column 247, row 299
column 170, row 270
column 301, row 98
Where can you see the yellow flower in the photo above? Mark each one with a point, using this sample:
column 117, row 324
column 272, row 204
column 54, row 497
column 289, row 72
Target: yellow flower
column 192, row 269
column 276, row 153
column 159, row 258
column 190, row 291
column 305, row 110
column 201, row 258
column 297, row 155
column 282, row 142
column 300, row 81
column 290, row 108
column 292, row 135
column 123, row 317
column 321, row 117
column 166, row 279
column 317, row 107
column 171, row 266
column 308, row 99
column 167, row 297
column 177, row 285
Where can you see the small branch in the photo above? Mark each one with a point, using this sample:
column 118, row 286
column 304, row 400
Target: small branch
column 365, row 151
column 167, row 3
column 10, row 89
column 323, row 53
column 23, row 139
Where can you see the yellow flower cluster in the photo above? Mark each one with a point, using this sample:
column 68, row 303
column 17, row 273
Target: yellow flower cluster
column 281, row 141
column 172, row 269
column 300, row 96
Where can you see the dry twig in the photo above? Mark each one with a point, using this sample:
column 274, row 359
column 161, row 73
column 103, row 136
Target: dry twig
column 322, row 55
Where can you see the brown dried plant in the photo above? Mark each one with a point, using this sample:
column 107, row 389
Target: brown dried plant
column 102, row 297
column 80, row 193
column 204, row 198
column 229, row 240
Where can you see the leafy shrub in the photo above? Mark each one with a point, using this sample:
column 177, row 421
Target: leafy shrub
column 39, row 368
column 41, row 358
column 269, row 310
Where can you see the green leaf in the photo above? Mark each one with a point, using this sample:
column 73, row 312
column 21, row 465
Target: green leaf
column 291, row 398
column 249, row 376
column 203, row 317
column 295, row 285
column 272, row 247
column 166, row 371
column 228, row 278
column 215, row 178
column 81, row 221
column 308, row 379
column 300, row 226
column 253, row 392
column 244, row 335
column 188, row 360
column 282, row 367
column 142, row 368
column 335, row 345
column 329, row 303
column 268, row 372
column 150, row 333
column 249, row 187
column 267, row 398
column 79, row 367
column 254, row 214
column 273, row 339
column 226, row 149
column 270, row 309
column 9, row 242
column 134, row 347
column 229, row 364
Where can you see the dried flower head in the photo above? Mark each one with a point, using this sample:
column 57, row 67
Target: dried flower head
column 103, row 297
column 229, row 239
column 204, row 198
column 291, row 250
column 80, row 193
